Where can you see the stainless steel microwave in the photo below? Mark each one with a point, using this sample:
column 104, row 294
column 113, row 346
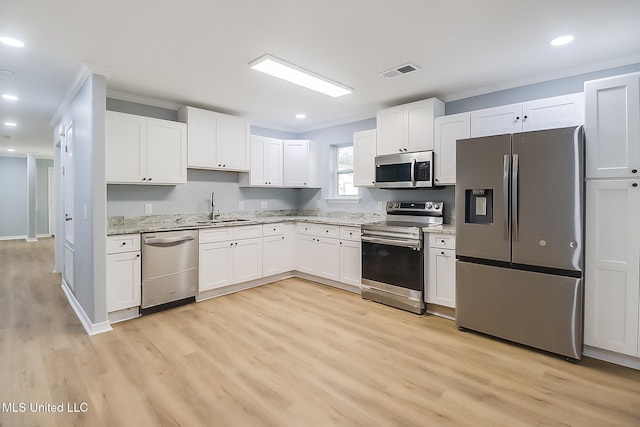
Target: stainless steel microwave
column 406, row 170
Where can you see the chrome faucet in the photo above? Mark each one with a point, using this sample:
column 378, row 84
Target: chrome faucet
column 213, row 215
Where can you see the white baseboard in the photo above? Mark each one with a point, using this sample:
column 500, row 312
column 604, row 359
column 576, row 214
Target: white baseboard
column 42, row 236
column 23, row 237
column 612, row 357
column 91, row 328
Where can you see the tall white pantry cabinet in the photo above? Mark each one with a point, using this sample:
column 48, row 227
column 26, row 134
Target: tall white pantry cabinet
column 612, row 276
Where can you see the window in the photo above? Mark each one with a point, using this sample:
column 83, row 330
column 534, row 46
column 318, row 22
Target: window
column 344, row 171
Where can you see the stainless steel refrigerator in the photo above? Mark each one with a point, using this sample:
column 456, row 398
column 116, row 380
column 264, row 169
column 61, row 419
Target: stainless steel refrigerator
column 519, row 238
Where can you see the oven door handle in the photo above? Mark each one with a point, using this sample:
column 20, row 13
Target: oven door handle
column 404, row 243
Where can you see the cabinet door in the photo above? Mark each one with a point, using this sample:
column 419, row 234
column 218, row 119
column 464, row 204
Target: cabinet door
column 126, row 136
column 305, row 253
column 612, row 265
column 296, row 158
column 215, row 265
column 419, row 118
column 273, row 162
column 123, row 281
column 327, row 258
column 496, row 121
column 201, row 136
column 232, row 143
column 552, row 113
column 390, row 128
column 258, row 164
column 274, row 255
column 448, row 130
column 166, row 152
column 247, row 260
column 350, row 263
column 441, row 284
column 364, row 154
column 612, row 127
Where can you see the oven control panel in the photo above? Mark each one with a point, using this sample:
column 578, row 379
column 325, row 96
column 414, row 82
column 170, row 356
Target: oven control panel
column 416, row 208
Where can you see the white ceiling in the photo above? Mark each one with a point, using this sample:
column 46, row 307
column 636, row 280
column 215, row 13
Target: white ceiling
column 195, row 52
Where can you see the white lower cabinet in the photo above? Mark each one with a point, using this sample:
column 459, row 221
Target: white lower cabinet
column 612, row 276
column 278, row 248
column 329, row 251
column 441, row 270
column 229, row 255
column 123, row 272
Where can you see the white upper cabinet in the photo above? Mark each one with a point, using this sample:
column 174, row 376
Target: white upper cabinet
column 143, row 150
column 266, row 163
column 407, row 127
column 364, row 154
column 300, row 168
column 612, row 127
column 547, row 113
column 448, row 129
column 216, row 141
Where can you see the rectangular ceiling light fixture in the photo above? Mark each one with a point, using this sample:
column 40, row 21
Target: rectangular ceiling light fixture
column 294, row 74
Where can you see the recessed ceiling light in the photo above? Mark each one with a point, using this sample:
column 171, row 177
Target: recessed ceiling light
column 10, row 124
column 301, row 116
column 294, row 74
column 11, row 149
column 10, row 41
column 9, row 97
column 562, row 40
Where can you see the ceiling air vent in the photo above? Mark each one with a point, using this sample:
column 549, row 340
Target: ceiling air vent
column 399, row 71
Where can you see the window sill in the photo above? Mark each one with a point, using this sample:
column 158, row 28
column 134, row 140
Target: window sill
column 343, row 200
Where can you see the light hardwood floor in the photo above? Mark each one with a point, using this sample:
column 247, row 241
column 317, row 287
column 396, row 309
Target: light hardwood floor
column 292, row 353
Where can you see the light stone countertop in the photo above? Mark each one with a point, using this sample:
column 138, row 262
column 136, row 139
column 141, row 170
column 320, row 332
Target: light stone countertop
column 156, row 223
column 442, row 229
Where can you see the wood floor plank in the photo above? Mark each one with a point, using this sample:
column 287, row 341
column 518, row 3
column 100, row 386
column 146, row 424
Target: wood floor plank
column 290, row 353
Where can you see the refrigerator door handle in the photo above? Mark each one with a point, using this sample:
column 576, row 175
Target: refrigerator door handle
column 505, row 189
column 514, row 196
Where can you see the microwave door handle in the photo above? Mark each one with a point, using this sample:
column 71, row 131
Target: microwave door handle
column 515, row 196
column 413, row 172
column 505, row 190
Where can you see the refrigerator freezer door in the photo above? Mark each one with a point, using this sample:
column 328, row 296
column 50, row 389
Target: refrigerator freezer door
column 536, row 309
column 483, row 164
column 547, row 214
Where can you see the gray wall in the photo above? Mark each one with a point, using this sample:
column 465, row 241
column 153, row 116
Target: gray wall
column 13, row 197
column 32, row 193
column 42, row 202
column 86, row 112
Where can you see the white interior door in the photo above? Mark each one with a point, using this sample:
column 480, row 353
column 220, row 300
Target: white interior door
column 68, row 178
column 51, row 199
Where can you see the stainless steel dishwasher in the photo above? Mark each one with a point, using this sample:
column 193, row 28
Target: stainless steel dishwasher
column 169, row 267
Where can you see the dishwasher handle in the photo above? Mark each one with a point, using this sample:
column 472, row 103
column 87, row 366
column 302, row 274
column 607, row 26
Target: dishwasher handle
column 163, row 241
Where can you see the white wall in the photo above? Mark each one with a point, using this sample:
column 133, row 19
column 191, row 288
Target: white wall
column 13, row 197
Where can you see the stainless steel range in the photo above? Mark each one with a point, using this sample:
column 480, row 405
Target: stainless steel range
column 393, row 254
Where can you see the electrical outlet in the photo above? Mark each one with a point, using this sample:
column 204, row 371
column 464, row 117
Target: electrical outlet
column 263, row 204
column 379, row 206
column 241, row 205
column 148, row 209
column 318, row 204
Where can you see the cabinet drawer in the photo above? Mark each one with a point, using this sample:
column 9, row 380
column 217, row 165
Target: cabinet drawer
column 442, row 241
column 273, row 229
column 123, row 243
column 323, row 230
column 350, row 233
column 216, row 235
column 306, row 228
column 247, row 232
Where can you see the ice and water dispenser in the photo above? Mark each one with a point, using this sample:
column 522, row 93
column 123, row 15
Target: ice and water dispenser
column 478, row 205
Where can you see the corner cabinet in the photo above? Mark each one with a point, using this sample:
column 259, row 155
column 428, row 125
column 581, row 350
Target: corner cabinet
column 407, row 127
column 300, row 164
column 448, row 129
column 612, row 127
column 364, row 155
column 216, row 141
column 143, row 150
column 123, row 272
column 546, row 113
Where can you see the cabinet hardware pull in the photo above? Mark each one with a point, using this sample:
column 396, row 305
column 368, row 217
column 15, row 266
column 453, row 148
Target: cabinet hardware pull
column 442, row 253
column 517, row 118
column 138, row 256
column 149, row 179
column 144, row 179
column 635, row 184
column 526, row 117
column 634, row 170
column 124, row 243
